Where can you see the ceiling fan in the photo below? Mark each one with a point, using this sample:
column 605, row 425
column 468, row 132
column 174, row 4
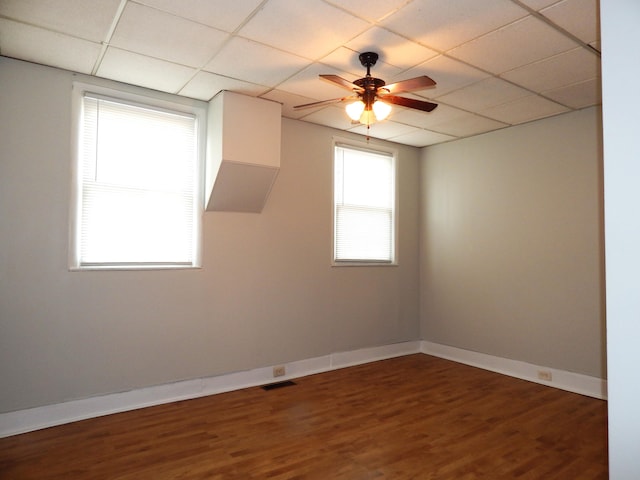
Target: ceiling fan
column 372, row 96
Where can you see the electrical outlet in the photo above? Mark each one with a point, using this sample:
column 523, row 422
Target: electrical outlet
column 279, row 371
column 544, row 375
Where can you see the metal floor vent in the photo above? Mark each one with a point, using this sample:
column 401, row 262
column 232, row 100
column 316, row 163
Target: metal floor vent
column 273, row 386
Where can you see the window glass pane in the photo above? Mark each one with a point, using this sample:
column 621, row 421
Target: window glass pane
column 364, row 197
column 138, row 197
column 124, row 225
column 366, row 179
column 364, row 234
column 144, row 148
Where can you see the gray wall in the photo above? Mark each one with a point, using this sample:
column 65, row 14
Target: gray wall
column 267, row 293
column 501, row 254
column 511, row 243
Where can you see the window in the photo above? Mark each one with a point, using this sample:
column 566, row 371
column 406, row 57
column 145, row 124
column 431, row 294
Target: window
column 137, row 193
column 364, row 205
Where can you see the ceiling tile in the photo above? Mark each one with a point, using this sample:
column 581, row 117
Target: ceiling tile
column 161, row 35
column 144, row 71
column 444, row 25
column 246, row 60
column 392, row 48
column 524, row 110
column 86, row 19
column 383, row 130
column 310, row 29
column 372, row 10
column 579, row 95
column 518, row 44
column 308, row 84
column 221, row 14
column 346, row 60
column 467, row 124
column 421, row 138
column 539, row 4
column 483, row 94
column 288, row 100
column 557, row 71
column 205, row 86
column 416, row 118
column 449, row 75
column 578, row 17
column 49, row 48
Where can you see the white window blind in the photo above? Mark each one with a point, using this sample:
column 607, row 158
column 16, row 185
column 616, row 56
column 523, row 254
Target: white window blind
column 364, row 205
column 138, row 168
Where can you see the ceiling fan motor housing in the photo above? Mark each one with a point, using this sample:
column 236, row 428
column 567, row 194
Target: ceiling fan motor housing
column 368, row 59
column 370, row 86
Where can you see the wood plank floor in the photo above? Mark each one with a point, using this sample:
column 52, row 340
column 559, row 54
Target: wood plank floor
column 414, row 417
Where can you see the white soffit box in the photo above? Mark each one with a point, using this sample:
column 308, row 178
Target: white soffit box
column 243, row 152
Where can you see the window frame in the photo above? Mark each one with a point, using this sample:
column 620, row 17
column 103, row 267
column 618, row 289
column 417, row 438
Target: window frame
column 378, row 150
column 156, row 101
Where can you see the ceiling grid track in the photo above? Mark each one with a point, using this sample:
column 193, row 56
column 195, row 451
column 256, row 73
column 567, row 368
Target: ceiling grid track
column 107, row 41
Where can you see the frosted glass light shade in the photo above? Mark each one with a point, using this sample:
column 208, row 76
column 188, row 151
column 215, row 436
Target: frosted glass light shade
column 368, row 117
column 381, row 110
column 355, row 109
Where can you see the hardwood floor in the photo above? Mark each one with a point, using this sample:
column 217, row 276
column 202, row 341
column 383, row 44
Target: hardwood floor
column 414, row 417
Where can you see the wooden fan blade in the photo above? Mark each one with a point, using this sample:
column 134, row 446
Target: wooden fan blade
column 322, row 102
column 342, row 82
column 417, row 83
column 409, row 102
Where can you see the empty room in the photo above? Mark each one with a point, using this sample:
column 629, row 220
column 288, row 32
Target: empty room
column 318, row 239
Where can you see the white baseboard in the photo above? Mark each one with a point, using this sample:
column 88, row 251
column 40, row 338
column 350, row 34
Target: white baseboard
column 22, row 421
column 569, row 381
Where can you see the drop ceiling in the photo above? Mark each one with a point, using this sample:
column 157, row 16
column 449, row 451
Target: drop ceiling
column 496, row 62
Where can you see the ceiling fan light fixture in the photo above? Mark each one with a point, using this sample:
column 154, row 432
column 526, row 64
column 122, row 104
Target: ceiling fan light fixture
column 372, row 98
column 381, row 110
column 355, row 109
